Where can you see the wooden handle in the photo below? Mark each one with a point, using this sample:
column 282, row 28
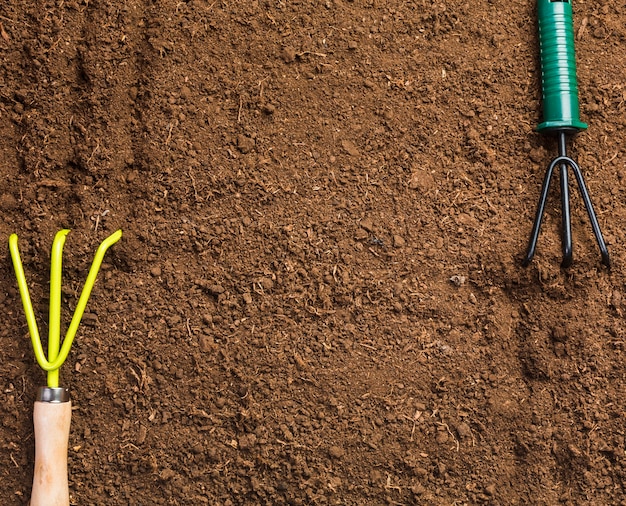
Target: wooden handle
column 52, row 430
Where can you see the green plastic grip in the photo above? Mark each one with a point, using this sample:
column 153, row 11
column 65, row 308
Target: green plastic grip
column 558, row 67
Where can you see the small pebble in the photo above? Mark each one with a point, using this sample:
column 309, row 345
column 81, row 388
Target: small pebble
column 8, row 202
column 206, row 343
column 336, row 452
column 245, row 144
column 464, row 431
column 375, row 476
column 167, row 474
column 600, row 33
column 288, row 54
column 90, row 319
column 268, row 108
column 131, row 176
column 266, row 283
column 246, row 441
column 141, row 434
column 537, row 155
column 560, row 333
column 350, row 147
column 458, row 280
column 215, row 289
column 616, row 299
column 185, row 93
column 367, row 224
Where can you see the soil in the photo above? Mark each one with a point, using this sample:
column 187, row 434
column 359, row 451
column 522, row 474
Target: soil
column 318, row 296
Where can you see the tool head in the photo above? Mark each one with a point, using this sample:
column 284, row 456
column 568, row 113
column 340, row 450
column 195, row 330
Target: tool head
column 57, row 354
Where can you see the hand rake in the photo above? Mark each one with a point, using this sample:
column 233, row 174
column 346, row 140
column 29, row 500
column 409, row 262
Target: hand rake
column 53, row 408
column 561, row 118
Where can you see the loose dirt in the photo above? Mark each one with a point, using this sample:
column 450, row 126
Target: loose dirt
column 318, row 296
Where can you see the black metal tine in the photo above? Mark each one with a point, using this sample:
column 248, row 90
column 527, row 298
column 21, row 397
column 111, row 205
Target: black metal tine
column 566, row 215
column 606, row 259
column 534, row 235
column 566, row 219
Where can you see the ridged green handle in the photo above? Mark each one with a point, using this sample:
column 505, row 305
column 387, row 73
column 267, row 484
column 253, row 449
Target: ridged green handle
column 558, row 67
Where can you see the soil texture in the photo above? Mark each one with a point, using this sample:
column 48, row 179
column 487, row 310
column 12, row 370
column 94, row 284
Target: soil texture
column 318, row 296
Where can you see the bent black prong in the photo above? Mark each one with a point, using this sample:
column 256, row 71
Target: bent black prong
column 566, row 219
column 534, row 235
column 606, row 260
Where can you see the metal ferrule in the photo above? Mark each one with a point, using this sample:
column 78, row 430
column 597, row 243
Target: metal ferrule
column 54, row 395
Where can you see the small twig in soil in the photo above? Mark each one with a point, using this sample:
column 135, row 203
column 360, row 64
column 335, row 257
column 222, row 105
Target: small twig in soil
column 611, row 159
column 260, row 85
column 139, row 380
column 4, row 34
column 388, row 485
column 300, row 55
column 368, row 346
column 19, row 397
column 415, row 418
column 456, row 441
column 93, row 152
column 97, row 218
column 193, row 185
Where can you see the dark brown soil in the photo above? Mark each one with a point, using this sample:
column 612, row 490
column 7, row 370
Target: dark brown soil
column 318, row 297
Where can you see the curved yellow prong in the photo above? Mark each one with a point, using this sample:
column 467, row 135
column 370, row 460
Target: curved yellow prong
column 26, row 302
column 54, row 322
column 84, row 297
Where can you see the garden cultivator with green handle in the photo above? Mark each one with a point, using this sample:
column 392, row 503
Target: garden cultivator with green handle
column 561, row 118
column 53, row 409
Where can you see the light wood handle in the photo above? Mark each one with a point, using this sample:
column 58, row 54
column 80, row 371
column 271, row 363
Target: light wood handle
column 52, row 430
